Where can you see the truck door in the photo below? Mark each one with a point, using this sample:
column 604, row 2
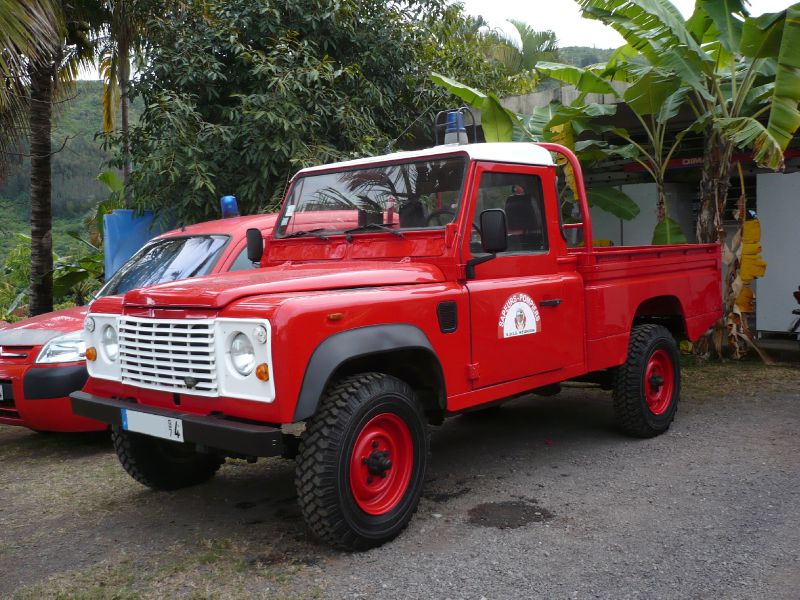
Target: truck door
column 522, row 321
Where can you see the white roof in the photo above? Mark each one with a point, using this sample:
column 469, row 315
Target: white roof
column 525, row 153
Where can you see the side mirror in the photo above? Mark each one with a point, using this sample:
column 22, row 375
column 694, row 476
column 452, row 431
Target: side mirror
column 494, row 231
column 255, row 245
column 494, row 238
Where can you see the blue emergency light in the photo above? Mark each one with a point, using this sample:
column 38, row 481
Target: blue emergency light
column 229, row 206
column 455, row 133
column 455, row 122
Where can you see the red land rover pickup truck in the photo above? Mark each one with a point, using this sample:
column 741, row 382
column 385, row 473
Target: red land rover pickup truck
column 41, row 358
column 402, row 289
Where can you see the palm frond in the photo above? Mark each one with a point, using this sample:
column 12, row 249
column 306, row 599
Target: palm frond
column 28, row 32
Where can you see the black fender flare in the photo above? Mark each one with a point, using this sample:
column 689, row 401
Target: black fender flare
column 341, row 347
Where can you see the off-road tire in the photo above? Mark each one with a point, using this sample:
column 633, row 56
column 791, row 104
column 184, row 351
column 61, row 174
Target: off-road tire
column 633, row 414
column 325, row 495
column 161, row 464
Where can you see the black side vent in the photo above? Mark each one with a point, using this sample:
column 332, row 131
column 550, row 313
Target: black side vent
column 448, row 316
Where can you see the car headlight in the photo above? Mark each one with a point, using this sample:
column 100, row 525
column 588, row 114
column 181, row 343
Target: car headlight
column 69, row 347
column 243, row 357
column 109, row 343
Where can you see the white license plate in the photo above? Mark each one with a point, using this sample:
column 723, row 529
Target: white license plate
column 155, row 425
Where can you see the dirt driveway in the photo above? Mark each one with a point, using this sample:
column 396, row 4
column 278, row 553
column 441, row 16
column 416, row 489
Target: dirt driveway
column 541, row 500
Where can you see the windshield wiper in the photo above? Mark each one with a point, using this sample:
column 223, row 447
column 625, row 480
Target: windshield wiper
column 372, row 227
column 312, row 232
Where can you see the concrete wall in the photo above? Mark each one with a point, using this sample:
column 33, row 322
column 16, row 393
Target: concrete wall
column 565, row 94
column 779, row 213
column 639, row 231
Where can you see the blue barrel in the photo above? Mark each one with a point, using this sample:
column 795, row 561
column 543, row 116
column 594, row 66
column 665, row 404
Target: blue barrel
column 124, row 233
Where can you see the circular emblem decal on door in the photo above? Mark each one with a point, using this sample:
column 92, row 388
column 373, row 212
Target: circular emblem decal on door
column 520, row 316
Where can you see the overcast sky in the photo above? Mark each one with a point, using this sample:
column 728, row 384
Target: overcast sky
column 563, row 17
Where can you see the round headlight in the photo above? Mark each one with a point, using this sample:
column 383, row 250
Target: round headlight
column 109, row 343
column 260, row 332
column 89, row 324
column 243, row 357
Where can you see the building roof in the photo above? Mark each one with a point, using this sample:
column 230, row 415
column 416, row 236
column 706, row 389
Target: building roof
column 509, row 152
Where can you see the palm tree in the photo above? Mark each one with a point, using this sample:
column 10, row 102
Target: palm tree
column 536, row 46
column 49, row 74
column 27, row 32
column 121, row 41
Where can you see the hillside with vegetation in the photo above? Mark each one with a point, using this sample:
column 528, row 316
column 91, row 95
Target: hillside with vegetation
column 76, row 191
column 582, row 56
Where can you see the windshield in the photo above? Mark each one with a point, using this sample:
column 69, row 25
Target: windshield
column 167, row 259
column 411, row 195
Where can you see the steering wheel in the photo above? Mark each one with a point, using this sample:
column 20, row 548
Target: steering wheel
column 435, row 218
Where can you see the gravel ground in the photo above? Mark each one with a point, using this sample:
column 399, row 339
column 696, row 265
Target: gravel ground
column 541, row 499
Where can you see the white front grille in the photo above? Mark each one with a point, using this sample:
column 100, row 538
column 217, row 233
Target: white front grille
column 168, row 355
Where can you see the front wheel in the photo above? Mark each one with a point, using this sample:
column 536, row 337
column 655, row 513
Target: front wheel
column 162, row 464
column 647, row 387
column 362, row 461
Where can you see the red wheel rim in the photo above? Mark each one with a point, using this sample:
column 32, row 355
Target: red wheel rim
column 381, row 463
column 659, row 382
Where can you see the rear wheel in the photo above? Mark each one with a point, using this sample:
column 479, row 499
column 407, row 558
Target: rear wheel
column 161, row 464
column 647, row 387
column 362, row 461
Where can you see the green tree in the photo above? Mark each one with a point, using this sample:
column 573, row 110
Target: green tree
column 239, row 94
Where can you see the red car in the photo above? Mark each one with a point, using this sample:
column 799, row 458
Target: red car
column 42, row 358
column 400, row 290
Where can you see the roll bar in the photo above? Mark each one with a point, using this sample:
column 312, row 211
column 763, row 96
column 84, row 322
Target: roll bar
column 583, row 202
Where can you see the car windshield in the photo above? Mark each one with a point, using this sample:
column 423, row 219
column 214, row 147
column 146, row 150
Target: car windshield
column 410, row 195
column 167, row 259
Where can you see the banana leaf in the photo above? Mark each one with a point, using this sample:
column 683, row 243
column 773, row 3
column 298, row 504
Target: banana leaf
column 613, row 201
column 668, row 232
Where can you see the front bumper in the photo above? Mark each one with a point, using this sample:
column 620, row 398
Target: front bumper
column 217, row 432
column 37, row 396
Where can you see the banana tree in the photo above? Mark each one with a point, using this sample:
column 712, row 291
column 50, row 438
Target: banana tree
column 742, row 73
column 655, row 98
column 739, row 70
column 553, row 123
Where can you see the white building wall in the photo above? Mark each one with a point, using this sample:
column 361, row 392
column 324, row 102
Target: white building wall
column 639, row 231
column 779, row 214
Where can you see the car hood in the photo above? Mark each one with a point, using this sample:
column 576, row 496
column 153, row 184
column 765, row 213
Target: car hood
column 43, row 328
column 217, row 291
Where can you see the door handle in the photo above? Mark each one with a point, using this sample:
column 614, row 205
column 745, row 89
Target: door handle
column 553, row 302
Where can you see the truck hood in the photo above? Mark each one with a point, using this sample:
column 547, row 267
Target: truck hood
column 43, row 328
column 217, row 291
